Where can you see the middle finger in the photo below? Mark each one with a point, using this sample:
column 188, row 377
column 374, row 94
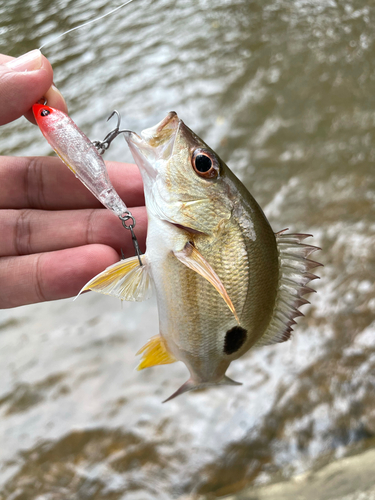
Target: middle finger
column 36, row 231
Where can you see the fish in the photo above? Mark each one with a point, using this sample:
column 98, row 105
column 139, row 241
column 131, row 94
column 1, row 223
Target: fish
column 224, row 281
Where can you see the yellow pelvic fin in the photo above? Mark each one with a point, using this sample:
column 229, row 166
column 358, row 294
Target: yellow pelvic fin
column 126, row 280
column 155, row 353
column 195, row 261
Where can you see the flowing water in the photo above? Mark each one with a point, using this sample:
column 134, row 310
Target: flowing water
column 283, row 90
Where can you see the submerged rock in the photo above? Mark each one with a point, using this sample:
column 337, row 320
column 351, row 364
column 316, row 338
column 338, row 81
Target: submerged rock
column 351, row 478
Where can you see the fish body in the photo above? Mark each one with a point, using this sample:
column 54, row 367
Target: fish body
column 241, row 248
column 224, row 281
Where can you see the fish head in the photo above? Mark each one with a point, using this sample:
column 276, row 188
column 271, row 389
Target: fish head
column 183, row 178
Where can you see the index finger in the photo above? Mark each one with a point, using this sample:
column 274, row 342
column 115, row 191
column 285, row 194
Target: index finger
column 46, row 183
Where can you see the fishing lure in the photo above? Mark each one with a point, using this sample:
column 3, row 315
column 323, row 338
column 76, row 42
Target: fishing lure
column 84, row 159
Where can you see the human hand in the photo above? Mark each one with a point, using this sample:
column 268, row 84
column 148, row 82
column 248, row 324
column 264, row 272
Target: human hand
column 54, row 235
column 23, row 81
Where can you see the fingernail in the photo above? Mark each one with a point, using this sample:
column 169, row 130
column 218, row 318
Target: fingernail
column 27, row 62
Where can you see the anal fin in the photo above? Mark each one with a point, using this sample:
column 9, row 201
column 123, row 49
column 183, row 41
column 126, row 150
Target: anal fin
column 155, row 353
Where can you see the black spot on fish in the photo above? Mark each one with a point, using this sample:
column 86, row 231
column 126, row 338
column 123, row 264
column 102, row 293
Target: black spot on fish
column 234, row 339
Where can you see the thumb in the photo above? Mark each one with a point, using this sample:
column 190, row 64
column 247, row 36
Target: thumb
column 23, row 82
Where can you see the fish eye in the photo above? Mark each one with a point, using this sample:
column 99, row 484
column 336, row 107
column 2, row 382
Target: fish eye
column 45, row 112
column 204, row 164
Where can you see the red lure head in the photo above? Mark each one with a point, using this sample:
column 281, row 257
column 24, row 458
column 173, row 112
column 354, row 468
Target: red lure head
column 42, row 113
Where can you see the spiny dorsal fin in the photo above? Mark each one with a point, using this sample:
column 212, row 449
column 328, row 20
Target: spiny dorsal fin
column 155, row 352
column 126, row 280
column 294, row 275
column 194, row 260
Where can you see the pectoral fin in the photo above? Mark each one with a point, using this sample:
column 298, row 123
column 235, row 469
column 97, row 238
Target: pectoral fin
column 127, row 280
column 155, row 352
column 195, row 261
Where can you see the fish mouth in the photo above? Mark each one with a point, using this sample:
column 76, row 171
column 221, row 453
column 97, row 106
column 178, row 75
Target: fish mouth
column 155, row 143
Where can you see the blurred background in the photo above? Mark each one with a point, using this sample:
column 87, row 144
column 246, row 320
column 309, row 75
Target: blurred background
column 283, row 90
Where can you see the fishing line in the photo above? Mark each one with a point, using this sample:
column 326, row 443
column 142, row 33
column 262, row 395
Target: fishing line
column 85, row 24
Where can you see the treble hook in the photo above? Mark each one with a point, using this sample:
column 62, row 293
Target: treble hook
column 103, row 145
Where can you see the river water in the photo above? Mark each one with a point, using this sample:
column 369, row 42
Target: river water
column 283, row 90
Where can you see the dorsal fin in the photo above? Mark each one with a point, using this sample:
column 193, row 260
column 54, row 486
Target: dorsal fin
column 126, row 280
column 294, row 275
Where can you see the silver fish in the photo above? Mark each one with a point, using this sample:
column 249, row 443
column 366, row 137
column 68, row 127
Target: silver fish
column 224, row 281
